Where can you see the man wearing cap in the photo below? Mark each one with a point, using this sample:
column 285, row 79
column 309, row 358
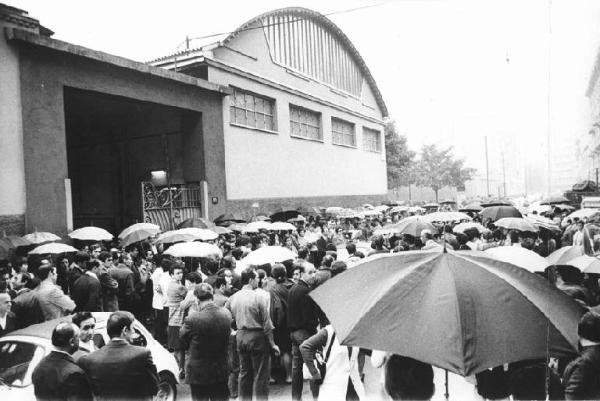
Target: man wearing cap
column 582, row 376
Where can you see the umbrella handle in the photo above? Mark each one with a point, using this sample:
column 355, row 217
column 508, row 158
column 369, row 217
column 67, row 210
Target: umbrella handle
column 447, row 393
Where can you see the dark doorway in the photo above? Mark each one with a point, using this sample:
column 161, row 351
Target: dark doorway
column 113, row 143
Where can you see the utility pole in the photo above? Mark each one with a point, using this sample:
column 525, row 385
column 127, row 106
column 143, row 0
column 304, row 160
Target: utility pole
column 503, row 174
column 548, row 105
column 487, row 170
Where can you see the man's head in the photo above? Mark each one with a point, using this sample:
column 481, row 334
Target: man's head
column 176, row 272
column 249, row 276
column 327, row 261
column 426, row 235
column 351, row 248
column 5, row 277
column 338, row 267
column 93, row 266
column 589, row 327
column 5, row 303
column 65, row 337
column 120, row 324
column 47, row 273
column 81, row 257
column 204, row 292
column 106, row 258
column 303, row 252
column 192, row 279
column 95, row 251
column 86, row 323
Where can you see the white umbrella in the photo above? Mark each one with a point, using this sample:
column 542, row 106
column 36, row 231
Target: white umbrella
column 268, row 254
column 41, row 237
column 256, row 226
column 460, row 228
column 52, row 248
column 519, row 256
column 194, row 250
column 374, row 212
column 281, row 226
column 382, row 208
column 91, row 234
column 516, row 223
column 187, row 234
column 542, row 222
column 585, row 263
column 446, row 217
column 583, row 213
column 563, row 255
column 139, row 226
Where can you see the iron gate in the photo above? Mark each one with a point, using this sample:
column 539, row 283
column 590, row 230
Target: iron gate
column 167, row 206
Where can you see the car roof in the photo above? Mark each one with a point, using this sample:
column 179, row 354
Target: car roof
column 44, row 330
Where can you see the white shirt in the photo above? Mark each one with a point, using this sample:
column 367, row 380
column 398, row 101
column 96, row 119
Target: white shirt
column 3, row 321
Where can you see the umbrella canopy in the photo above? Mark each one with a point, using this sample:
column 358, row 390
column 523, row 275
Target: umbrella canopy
column 260, row 217
column 398, row 209
column 256, row 226
column 460, row 228
column 268, row 254
column 554, row 200
column 139, row 226
column 412, row 225
column 187, row 234
column 381, row 208
column 198, row 222
column 583, row 213
column 350, row 214
column 41, row 237
column 565, row 254
column 229, row 217
column 539, row 208
column 460, row 311
column 585, row 263
column 91, row 234
column 238, row 227
column 297, row 219
column 471, row 207
column 220, row 230
column 519, row 256
column 52, row 248
column 334, row 210
column 282, row 226
column 564, row 207
column 13, row 241
column 498, row 212
column 374, row 212
column 447, row 202
column 515, row 223
column 194, row 250
column 284, row 215
column 495, row 202
column 447, row 217
column 310, row 210
column 416, row 209
column 431, row 205
column 542, row 222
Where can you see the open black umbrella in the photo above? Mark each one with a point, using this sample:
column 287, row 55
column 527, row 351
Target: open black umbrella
column 495, row 202
column 228, row 217
column 196, row 222
column 284, row 215
column 554, row 200
column 498, row 212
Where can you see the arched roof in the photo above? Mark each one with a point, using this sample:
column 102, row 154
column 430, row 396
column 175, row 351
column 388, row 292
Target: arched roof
column 332, row 28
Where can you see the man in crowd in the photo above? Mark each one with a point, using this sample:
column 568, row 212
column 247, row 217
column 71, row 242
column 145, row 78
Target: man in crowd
column 7, row 318
column 581, row 378
column 26, row 306
column 205, row 334
column 124, row 276
column 87, row 289
column 86, row 323
column 120, row 370
column 254, row 338
column 52, row 301
column 77, row 269
column 57, row 376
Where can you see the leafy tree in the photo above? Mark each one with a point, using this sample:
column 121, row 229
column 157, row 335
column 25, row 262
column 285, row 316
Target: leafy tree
column 399, row 158
column 438, row 168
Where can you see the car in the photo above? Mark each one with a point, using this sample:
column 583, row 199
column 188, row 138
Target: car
column 22, row 350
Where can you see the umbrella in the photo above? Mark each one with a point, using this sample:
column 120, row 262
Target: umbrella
column 564, row 207
column 446, row 217
column 498, row 212
column 138, row 232
column 412, row 225
column 554, row 200
column 583, row 213
column 41, row 237
column 284, row 215
column 368, row 206
column 495, row 202
column 260, row 217
column 431, row 205
column 539, row 209
column 447, row 202
column 460, row 228
column 298, row 219
column 585, row 263
column 515, row 223
column 374, row 212
column 256, row 226
column 268, row 254
column 52, row 248
column 542, row 222
column 139, row 226
column 309, row 210
column 281, row 226
column 381, row 208
column 220, row 230
column 519, row 256
column 563, row 255
column 416, row 209
column 13, row 241
column 471, row 207
column 350, row 214
column 198, row 222
column 398, row 209
column 334, row 210
column 239, row 227
column 461, row 311
column 187, row 234
column 91, row 234
column 229, row 217
column 194, row 250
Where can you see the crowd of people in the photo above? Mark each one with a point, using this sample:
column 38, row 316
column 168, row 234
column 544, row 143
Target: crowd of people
column 235, row 328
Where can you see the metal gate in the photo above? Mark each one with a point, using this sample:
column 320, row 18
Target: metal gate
column 167, row 206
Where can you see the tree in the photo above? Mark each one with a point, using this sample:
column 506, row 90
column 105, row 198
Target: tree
column 398, row 156
column 438, row 168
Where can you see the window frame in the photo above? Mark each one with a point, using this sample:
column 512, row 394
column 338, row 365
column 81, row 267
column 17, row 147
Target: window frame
column 334, row 132
column 378, row 143
column 234, row 108
column 319, row 127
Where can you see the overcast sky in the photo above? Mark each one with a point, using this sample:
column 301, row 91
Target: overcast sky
column 451, row 72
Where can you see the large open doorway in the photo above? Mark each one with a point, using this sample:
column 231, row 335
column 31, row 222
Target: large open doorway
column 113, row 145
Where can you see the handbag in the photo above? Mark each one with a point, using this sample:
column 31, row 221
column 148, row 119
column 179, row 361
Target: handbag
column 321, row 361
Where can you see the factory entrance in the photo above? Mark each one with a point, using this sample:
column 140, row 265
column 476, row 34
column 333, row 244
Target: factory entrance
column 126, row 161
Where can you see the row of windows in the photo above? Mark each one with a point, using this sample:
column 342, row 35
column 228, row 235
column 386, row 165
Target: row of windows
column 255, row 111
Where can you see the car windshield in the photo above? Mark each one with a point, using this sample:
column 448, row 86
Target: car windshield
column 17, row 361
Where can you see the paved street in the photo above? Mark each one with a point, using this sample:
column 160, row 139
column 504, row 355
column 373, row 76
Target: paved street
column 459, row 388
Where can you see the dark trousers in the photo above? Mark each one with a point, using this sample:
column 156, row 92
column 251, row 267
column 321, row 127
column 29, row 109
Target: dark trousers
column 161, row 319
column 212, row 392
column 234, row 367
column 255, row 364
column 298, row 337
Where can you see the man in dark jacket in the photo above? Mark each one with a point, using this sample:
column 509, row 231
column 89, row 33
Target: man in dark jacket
column 7, row 318
column 206, row 334
column 302, row 321
column 581, row 378
column 120, row 370
column 57, row 376
column 124, row 276
column 87, row 290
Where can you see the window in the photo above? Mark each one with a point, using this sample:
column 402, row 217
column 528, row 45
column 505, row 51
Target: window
column 371, row 140
column 305, row 123
column 17, row 362
column 343, row 132
column 252, row 110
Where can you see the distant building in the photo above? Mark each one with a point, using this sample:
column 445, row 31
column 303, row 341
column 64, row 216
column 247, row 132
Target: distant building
column 282, row 113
